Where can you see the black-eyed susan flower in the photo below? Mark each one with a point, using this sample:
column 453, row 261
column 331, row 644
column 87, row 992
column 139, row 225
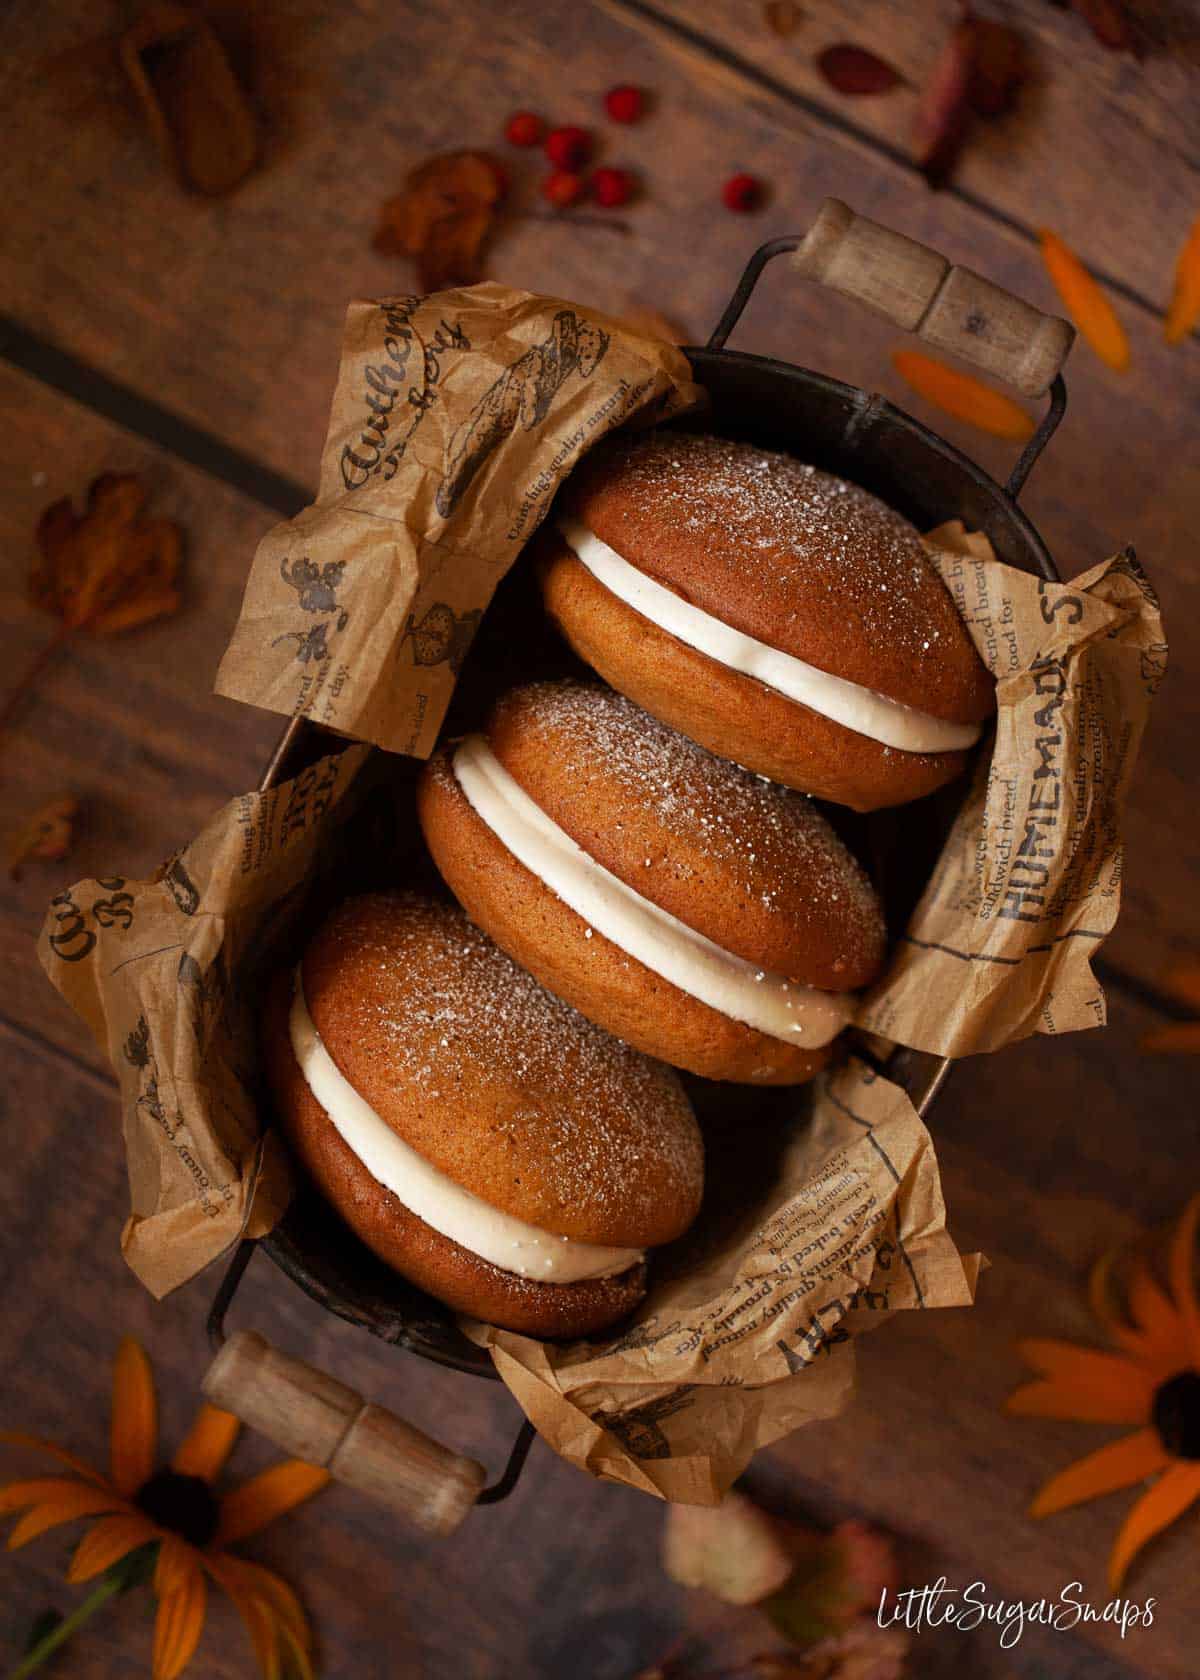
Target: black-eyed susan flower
column 168, row 1525
column 1151, row 1380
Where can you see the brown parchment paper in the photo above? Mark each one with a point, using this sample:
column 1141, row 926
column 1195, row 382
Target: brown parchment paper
column 454, row 421
column 1029, row 881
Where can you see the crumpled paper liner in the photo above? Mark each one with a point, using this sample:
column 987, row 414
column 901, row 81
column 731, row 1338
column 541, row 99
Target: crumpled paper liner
column 455, row 419
column 740, row 1343
column 1029, row 880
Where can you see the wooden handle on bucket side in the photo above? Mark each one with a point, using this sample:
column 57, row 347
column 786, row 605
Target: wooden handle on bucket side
column 314, row 1417
column 950, row 307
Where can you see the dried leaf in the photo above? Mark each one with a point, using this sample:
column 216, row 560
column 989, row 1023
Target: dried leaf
column 1110, row 23
column 944, row 107
column 783, row 17
column 837, row 1578
column 963, row 396
column 194, row 105
column 856, row 71
column 48, row 834
column 1185, row 300
column 443, row 217
column 732, row 1550
column 1085, row 302
column 998, row 67
column 109, row 569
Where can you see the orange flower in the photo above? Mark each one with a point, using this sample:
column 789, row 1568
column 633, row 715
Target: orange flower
column 1153, row 1381
column 176, row 1510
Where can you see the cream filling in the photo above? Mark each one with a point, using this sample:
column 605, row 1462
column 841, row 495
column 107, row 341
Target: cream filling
column 847, row 703
column 667, row 946
column 474, row 1224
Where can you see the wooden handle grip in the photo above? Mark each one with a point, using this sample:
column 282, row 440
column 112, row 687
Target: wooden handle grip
column 950, row 307
column 314, row 1417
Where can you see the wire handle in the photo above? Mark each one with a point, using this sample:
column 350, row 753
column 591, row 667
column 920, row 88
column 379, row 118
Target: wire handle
column 314, row 1417
column 950, row 307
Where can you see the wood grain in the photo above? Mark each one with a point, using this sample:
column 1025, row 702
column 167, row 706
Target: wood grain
column 1100, row 146
column 234, row 310
column 129, row 724
column 1036, row 1152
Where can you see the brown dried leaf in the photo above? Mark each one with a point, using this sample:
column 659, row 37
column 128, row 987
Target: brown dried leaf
column 856, row 71
column 196, row 109
column 109, row 569
column 944, row 108
column 1110, row 23
column 733, row 1550
column 998, row 68
column 783, row 17
column 837, row 1578
column 48, row 834
column 443, row 217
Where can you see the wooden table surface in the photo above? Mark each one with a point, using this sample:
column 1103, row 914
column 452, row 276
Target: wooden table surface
column 195, row 343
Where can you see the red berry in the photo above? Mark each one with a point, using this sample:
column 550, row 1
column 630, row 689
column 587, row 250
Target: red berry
column 562, row 188
column 742, row 192
column 523, row 128
column 611, row 187
column 624, row 104
column 569, row 148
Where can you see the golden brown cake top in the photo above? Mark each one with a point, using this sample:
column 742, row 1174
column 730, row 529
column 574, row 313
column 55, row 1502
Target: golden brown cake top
column 504, row 1088
column 803, row 561
column 753, row 866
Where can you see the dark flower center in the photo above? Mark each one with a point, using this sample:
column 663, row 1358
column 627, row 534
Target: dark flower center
column 184, row 1504
column 1176, row 1414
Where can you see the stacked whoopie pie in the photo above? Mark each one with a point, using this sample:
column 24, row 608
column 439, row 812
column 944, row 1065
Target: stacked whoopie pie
column 644, row 875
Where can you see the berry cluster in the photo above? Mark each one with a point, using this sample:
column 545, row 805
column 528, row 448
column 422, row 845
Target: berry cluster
column 569, row 151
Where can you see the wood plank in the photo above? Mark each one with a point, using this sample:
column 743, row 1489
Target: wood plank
column 232, row 311
column 128, row 724
column 1100, row 146
column 1037, row 1149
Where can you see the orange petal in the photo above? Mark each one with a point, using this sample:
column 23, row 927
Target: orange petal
column 1185, row 303
column 301, row 1660
column 36, row 1443
column 1118, row 1464
column 1157, row 1509
column 259, row 1623
column 1106, row 1308
column 1115, row 1379
column 17, row 1495
column 1153, row 1313
column 175, row 1558
column 134, row 1418
column 107, row 1543
column 263, row 1498
column 179, row 1623
column 1085, row 302
column 1182, row 1272
column 963, row 396
column 208, row 1444
column 1176, row 1038
column 83, row 1501
column 280, row 1598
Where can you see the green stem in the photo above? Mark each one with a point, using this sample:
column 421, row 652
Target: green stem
column 110, row 1585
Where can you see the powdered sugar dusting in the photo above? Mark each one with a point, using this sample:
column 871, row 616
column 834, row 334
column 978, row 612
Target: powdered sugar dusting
column 766, row 840
column 763, row 513
column 413, row 983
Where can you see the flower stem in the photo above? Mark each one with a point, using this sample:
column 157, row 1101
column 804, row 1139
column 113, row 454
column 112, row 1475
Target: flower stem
column 37, row 665
column 110, row 1585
